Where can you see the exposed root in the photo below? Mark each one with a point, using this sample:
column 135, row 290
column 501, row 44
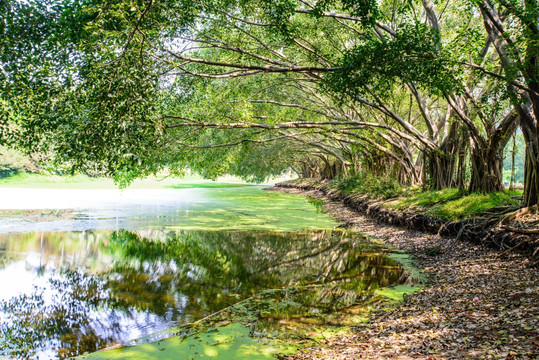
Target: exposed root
column 514, row 216
column 520, row 231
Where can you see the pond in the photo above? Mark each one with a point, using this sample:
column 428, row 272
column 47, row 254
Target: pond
column 65, row 293
column 233, row 207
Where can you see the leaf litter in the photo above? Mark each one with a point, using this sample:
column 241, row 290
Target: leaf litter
column 477, row 305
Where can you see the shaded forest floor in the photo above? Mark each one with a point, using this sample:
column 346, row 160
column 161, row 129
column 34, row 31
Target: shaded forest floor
column 477, row 305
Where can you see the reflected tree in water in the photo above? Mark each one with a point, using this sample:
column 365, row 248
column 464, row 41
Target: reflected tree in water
column 60, row 318
column 178, row 277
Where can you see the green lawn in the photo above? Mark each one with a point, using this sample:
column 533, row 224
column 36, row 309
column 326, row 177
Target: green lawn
column 27, row 180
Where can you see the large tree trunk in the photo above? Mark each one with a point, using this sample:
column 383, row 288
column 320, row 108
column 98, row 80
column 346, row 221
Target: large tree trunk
column 486, row 170
column 513, row 153
column 525, row 102
column 461, row 169
column 486, row 157
column 531, row 178
column 442, row 162
column 531, row 166
column 440, row 170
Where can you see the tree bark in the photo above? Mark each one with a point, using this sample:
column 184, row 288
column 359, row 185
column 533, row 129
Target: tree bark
column 486, row 171
column 513, row 153
column 531, row 169
column 442, row 162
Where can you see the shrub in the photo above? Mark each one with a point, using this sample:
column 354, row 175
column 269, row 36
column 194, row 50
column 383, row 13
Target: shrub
column 367, row 184
column 13, row 162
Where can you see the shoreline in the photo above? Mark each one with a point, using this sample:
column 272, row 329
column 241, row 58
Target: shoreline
column 476, row 304
column 488, row 232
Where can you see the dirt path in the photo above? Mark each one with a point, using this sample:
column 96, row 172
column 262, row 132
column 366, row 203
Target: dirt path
column 476, row 306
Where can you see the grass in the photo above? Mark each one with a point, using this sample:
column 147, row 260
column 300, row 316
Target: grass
column 515, row 192
column 450, row 204
column 29, row 180
column 417, row 198
column 472, row 205
column 447, row 204
column 370, row 185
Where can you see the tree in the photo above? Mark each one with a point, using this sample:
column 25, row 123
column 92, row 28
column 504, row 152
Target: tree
column 331, row 86
column 514, row 37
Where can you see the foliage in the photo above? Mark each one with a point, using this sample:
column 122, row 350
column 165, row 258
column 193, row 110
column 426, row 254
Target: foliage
column 377, row 65
column 13, row 162
column 258, row 88
column 370, row 185
column 74, row 107
column 367, row 10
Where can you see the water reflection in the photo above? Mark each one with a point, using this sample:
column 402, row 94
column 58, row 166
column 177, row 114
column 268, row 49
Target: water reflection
column 77, row 292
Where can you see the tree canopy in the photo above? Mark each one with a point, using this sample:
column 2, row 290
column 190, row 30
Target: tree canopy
column 427, row 92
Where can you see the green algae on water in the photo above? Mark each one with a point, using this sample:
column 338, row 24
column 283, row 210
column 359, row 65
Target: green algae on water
column 250, row 208
column 398, row 292
column 231, row 342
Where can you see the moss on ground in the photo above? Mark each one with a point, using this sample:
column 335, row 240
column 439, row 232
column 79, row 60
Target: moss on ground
column 450, row 204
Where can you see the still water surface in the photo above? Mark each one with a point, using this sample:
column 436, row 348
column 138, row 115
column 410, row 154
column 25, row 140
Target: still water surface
column 247, row 207
column 68, row 292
